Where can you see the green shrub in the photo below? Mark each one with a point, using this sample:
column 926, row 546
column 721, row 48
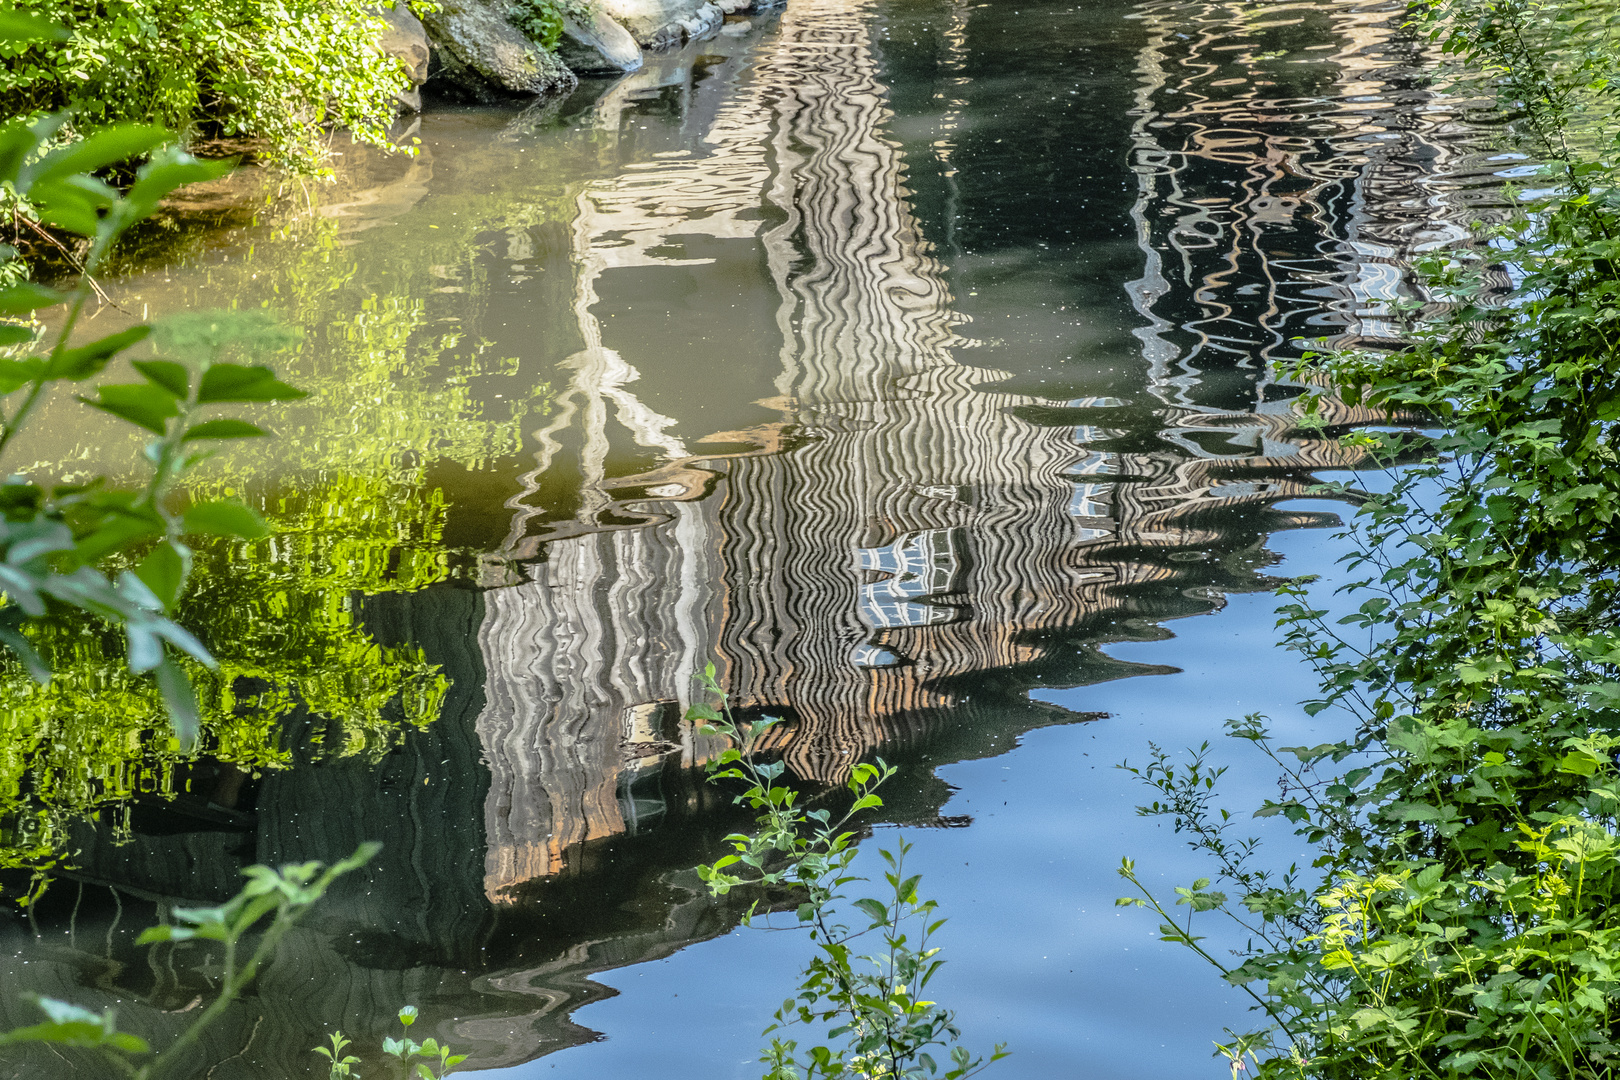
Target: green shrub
column 542, row 20
column 280, row 71
column 1466, row 921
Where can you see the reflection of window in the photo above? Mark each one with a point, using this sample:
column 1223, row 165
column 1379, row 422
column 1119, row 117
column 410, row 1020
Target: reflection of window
column 1096, row 464
column 868, row 655
column 1088, row 501
column 918, row 565
column 641, row 795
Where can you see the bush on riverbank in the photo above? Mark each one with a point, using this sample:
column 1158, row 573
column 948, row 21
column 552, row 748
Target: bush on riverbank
column 1468, row 830
column 280, row 72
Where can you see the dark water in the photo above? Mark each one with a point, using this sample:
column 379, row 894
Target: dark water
column 912, row 361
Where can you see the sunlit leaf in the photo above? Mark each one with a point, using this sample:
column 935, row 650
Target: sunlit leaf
column 17, row 26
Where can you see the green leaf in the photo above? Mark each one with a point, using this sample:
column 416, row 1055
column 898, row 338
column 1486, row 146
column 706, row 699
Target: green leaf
column 25, row 296
column 141, row 404
column 169, row 169
column 180, row 699
column 238, row 382
column 88, row 360
column 70, row 1025
column 171, row 376
column 16, row 374
column 16, row 26
column 164, row 571
column 225, row 519
column 223, row 429
column 12, row 334
column 117, row 532
column 874, row 909
column 104, row 148
column 1579, row 763
column 73, row 203
column 35, row 664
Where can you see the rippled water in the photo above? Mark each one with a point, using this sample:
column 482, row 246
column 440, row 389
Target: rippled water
column 913, row 361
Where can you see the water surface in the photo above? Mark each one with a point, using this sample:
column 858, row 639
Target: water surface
column 914, row 362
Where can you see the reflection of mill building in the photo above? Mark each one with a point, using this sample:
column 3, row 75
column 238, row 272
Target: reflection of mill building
column 902, row 528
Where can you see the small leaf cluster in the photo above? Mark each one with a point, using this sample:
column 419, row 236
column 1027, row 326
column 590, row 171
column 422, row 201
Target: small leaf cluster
column 426, row 1060
column 284, row 894
column 871, row 1006
column 542, row 20
column 280, row 72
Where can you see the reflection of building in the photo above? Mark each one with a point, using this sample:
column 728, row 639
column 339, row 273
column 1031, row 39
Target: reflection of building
column 1290, row 164
column 903, row 528
column 904, row 545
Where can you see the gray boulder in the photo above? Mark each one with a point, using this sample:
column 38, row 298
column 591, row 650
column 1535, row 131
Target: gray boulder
column 664, row 24
column 602, row 47
column 405, row 39
column 482, row 56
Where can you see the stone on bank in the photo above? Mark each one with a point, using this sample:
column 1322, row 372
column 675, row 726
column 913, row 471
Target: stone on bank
column 471, row 49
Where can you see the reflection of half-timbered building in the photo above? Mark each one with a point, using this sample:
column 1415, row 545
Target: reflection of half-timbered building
column 903, row 529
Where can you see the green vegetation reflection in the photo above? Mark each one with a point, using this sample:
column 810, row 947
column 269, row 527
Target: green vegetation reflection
column 344, row 487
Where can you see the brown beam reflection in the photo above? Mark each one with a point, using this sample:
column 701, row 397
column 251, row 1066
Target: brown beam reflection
column 905, row 527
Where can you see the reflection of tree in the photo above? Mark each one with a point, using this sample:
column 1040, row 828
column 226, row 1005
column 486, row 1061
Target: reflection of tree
column 345, row 487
